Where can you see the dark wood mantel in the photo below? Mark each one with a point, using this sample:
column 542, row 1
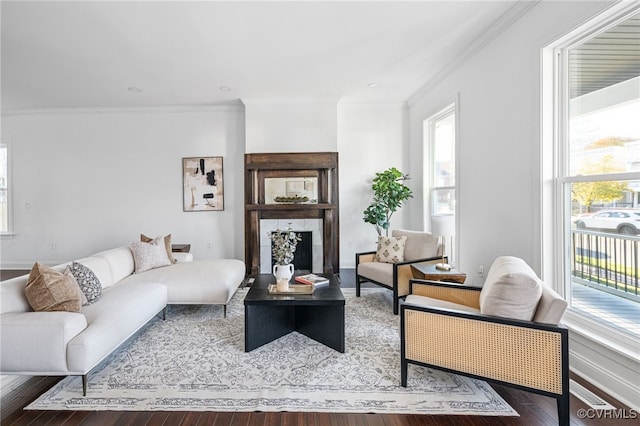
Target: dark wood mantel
column 324, row 166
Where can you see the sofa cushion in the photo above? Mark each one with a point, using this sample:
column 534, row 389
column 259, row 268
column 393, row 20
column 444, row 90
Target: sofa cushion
column 390, row 249
column 167, row 244
column 199, row 282
column 120, row 261
column 419, row 245
column 50, row 290
column 122, row 310
column 88, row 281
column 511, row 290
column 148, row 256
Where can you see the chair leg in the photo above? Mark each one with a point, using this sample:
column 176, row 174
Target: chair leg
column 225, row 311
column 563, row 409
column 84, row 385
column 403, row 372
column 396, row 304
column 357, row 286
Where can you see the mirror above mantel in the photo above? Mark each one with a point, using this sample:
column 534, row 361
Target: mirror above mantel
column 291, row 190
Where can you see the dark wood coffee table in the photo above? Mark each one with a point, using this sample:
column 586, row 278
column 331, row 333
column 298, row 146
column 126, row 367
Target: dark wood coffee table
column 319, row 316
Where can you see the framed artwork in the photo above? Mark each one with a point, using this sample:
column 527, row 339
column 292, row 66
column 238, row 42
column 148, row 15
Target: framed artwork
column 202, row 186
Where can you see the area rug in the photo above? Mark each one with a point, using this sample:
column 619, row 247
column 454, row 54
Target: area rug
column 195, row 361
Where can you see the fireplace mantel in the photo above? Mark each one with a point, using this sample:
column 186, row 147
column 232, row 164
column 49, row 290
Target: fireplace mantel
column 322, row 166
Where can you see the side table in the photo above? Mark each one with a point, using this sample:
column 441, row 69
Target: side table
column 426, row 271
column 181, row 248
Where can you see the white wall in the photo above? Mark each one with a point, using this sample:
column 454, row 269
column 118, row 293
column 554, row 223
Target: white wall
column 291, row 125
column 85, row 181
column 371, row 138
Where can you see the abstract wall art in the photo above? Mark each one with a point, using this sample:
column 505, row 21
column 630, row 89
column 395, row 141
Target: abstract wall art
column 202, row 184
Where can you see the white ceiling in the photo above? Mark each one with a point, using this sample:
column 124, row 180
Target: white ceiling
column 88, row 54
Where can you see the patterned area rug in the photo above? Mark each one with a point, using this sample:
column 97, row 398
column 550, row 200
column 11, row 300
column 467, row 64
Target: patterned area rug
column 195, row 361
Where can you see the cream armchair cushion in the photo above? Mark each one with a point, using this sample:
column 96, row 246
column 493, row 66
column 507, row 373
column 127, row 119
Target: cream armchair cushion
column 419, row 245
column 511, row 290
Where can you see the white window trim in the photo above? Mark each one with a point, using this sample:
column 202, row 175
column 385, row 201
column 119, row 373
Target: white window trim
column 556, row 225
column 428, row 178
column 9, row 232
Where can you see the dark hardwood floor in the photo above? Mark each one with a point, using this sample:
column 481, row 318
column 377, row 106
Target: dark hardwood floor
column 533, row 410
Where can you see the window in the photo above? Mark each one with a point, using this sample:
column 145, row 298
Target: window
column 440, row 160
column 441, row 137
column 5, row 196
column 596, row 103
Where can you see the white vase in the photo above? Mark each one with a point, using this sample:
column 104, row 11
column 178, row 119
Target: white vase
column 283, row 272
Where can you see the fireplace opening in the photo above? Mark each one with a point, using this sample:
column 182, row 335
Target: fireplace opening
column 303, row 256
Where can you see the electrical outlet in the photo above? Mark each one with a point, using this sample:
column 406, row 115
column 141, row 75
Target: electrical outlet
column 481, row 271
column 53, row 246
column 209, row 245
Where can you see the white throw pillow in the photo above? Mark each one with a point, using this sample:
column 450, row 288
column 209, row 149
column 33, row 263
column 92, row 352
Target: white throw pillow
column 149, row 255
column 390, row 249
column 511, row 290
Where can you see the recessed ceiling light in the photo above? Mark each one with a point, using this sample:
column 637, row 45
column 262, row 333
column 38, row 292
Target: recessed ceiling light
column 224, row 89
column 373, row 84
column 134, row 89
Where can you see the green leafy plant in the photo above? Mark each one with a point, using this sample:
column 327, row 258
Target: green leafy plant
column 284, row 245
column 389, row 194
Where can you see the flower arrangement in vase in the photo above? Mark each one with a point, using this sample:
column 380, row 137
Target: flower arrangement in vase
column 284, row 243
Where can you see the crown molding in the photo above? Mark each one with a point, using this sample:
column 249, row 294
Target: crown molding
column 231, row 107
column 290, row 101
column 496, row 28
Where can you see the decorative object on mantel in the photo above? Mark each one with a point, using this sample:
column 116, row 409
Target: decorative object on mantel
column 389, row 193
column 283, row 247
column 292, row 200
column 202, row 182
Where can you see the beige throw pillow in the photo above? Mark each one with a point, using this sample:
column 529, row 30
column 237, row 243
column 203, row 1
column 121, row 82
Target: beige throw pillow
column 150, row 255
column 511, row 290
column 49, row 290
column 390, row 249
column 167, row 244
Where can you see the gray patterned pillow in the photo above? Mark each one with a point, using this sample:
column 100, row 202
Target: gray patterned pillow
column 149, row 255
column 391, row 249
column 88, row 282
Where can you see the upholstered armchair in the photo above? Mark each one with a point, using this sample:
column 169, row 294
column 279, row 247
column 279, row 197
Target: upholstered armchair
column 391, row 267
column 505, row 332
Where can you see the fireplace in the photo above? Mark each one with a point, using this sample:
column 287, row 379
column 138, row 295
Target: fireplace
column 309, row 228
column 297, row 191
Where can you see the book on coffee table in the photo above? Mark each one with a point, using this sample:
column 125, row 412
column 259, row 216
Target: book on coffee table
column 312, row 279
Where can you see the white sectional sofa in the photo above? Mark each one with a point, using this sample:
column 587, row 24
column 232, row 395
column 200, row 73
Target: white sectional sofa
column 73, row 343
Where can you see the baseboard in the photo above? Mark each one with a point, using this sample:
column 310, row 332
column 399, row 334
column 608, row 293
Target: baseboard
column 608, row 370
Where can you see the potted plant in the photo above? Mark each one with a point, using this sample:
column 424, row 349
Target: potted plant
column 389, row 193
column 283, row 247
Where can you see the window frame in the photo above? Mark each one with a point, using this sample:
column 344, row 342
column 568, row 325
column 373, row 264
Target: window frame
column 8, row 233
column 556, row 181
column 429, row 169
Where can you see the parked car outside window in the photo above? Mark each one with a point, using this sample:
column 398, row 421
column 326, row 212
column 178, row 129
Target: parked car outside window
column 625, row 222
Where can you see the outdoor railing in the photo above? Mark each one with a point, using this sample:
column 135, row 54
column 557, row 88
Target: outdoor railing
column 607, row 262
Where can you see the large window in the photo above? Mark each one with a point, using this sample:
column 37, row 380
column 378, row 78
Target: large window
column 597, row 174
column 440, row 170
